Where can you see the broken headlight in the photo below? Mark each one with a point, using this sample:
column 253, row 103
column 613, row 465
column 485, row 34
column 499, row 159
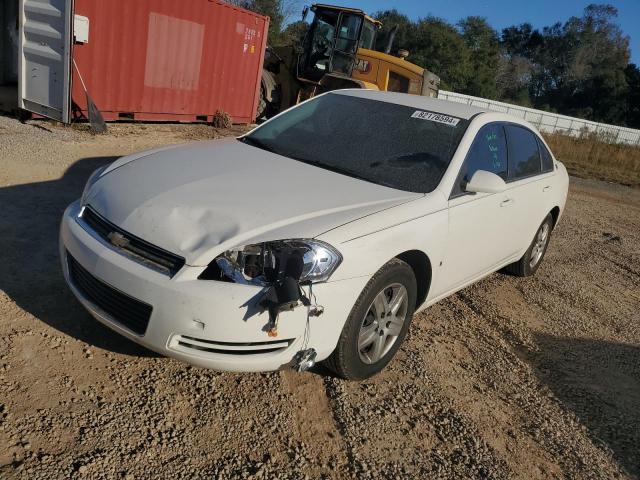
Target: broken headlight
column 308, row 261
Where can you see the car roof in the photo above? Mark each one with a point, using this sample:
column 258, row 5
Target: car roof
column 446, row 107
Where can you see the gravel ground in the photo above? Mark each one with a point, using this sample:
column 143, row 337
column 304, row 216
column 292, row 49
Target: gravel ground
column 511, row 378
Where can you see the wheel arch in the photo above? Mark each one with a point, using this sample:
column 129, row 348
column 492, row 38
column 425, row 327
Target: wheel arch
column 555, row 214
column 422, row 269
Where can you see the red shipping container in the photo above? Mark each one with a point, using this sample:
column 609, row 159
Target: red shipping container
column 168, row 60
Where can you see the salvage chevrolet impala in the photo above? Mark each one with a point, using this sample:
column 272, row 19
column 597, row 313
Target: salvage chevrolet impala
column 316, row 236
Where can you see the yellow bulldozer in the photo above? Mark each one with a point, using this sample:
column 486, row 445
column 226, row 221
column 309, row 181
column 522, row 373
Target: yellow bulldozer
column 338, row 51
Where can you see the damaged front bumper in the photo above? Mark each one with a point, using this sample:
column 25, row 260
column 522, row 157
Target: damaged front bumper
column 207, row 323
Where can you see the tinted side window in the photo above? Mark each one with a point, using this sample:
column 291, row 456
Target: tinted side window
column 547, row 159
column 524, row 156
column 488, row 152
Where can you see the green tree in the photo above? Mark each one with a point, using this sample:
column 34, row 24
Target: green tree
column 432, row 43
column 632, row 72
column 522, row 40
column 439, row 47
column 577, row 68
column 293, row 34
column 518, row 80
column 514, row 79
column 405, row 34
column 484, row 49
column 596, row 79
column 273, row 9
column 278, row 11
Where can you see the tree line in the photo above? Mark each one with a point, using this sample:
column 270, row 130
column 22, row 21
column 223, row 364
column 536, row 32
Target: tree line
column 580, row 67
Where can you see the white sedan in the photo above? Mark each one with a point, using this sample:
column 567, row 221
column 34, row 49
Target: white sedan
column 316, row 236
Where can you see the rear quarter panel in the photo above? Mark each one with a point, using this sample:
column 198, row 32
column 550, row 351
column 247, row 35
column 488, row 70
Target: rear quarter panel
column 563, row 186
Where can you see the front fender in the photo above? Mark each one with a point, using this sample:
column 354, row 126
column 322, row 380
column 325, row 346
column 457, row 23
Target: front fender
column 367, row 244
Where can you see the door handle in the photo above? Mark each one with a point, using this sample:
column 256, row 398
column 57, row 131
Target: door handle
column 506, row 202
column 546, row 188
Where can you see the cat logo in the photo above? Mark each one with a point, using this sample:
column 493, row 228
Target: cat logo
column 363, row 66
column 118, row 240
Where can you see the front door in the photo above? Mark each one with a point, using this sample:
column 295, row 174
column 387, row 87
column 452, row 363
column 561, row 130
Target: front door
column 529, row 181
column 346, row 43
column 480, row 235
column 44, row 72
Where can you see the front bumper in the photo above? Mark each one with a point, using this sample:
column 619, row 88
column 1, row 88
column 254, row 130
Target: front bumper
column 206, row 323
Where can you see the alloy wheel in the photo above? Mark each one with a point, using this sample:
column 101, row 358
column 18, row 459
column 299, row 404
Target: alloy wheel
column 541, row 243
column 383, row 323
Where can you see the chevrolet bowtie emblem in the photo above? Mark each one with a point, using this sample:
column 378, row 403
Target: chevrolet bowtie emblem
column 118, row 240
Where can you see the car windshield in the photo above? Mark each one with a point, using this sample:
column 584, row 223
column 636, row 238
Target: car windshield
column 384, row 143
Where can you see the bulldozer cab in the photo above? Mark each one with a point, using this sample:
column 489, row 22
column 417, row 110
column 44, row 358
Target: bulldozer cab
column 333, row 39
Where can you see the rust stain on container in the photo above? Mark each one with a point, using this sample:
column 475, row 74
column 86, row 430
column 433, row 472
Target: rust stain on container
column 163, row 60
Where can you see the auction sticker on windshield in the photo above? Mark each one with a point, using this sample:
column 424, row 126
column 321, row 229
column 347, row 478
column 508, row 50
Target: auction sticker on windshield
column 436, row 117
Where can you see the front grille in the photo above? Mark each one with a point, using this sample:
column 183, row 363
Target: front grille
column 184, row 342
column 122, row 308
column 140, row 250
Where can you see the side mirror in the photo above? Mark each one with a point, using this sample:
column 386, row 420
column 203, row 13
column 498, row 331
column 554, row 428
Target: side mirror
column 485, row 182
column 305, row 12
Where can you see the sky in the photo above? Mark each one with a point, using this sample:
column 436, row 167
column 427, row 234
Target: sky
column 504, row 13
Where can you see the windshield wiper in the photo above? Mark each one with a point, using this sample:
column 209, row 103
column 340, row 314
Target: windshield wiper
column 254, row 142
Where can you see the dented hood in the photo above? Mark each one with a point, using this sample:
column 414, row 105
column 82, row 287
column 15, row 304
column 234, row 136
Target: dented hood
column 200, row 199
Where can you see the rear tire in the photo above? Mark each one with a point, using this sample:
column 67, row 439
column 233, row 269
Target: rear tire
column 263, row 105
column 531, row 260
column 377, row 324
column 267, row 109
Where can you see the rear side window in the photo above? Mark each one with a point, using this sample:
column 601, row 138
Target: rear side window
column 488, row 152
column 547, row 159
column 524, row 156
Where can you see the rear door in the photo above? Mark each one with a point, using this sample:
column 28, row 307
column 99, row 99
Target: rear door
column 44, row 74
column 530, row 181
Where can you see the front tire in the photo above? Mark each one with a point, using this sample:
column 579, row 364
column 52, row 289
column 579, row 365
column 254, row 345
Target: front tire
column 377, row 324
column 531, row 260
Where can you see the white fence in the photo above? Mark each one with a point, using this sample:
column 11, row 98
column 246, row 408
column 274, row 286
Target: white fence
column 549, row 122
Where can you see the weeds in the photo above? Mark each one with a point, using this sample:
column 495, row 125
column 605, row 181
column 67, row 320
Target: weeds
column 591, row 156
